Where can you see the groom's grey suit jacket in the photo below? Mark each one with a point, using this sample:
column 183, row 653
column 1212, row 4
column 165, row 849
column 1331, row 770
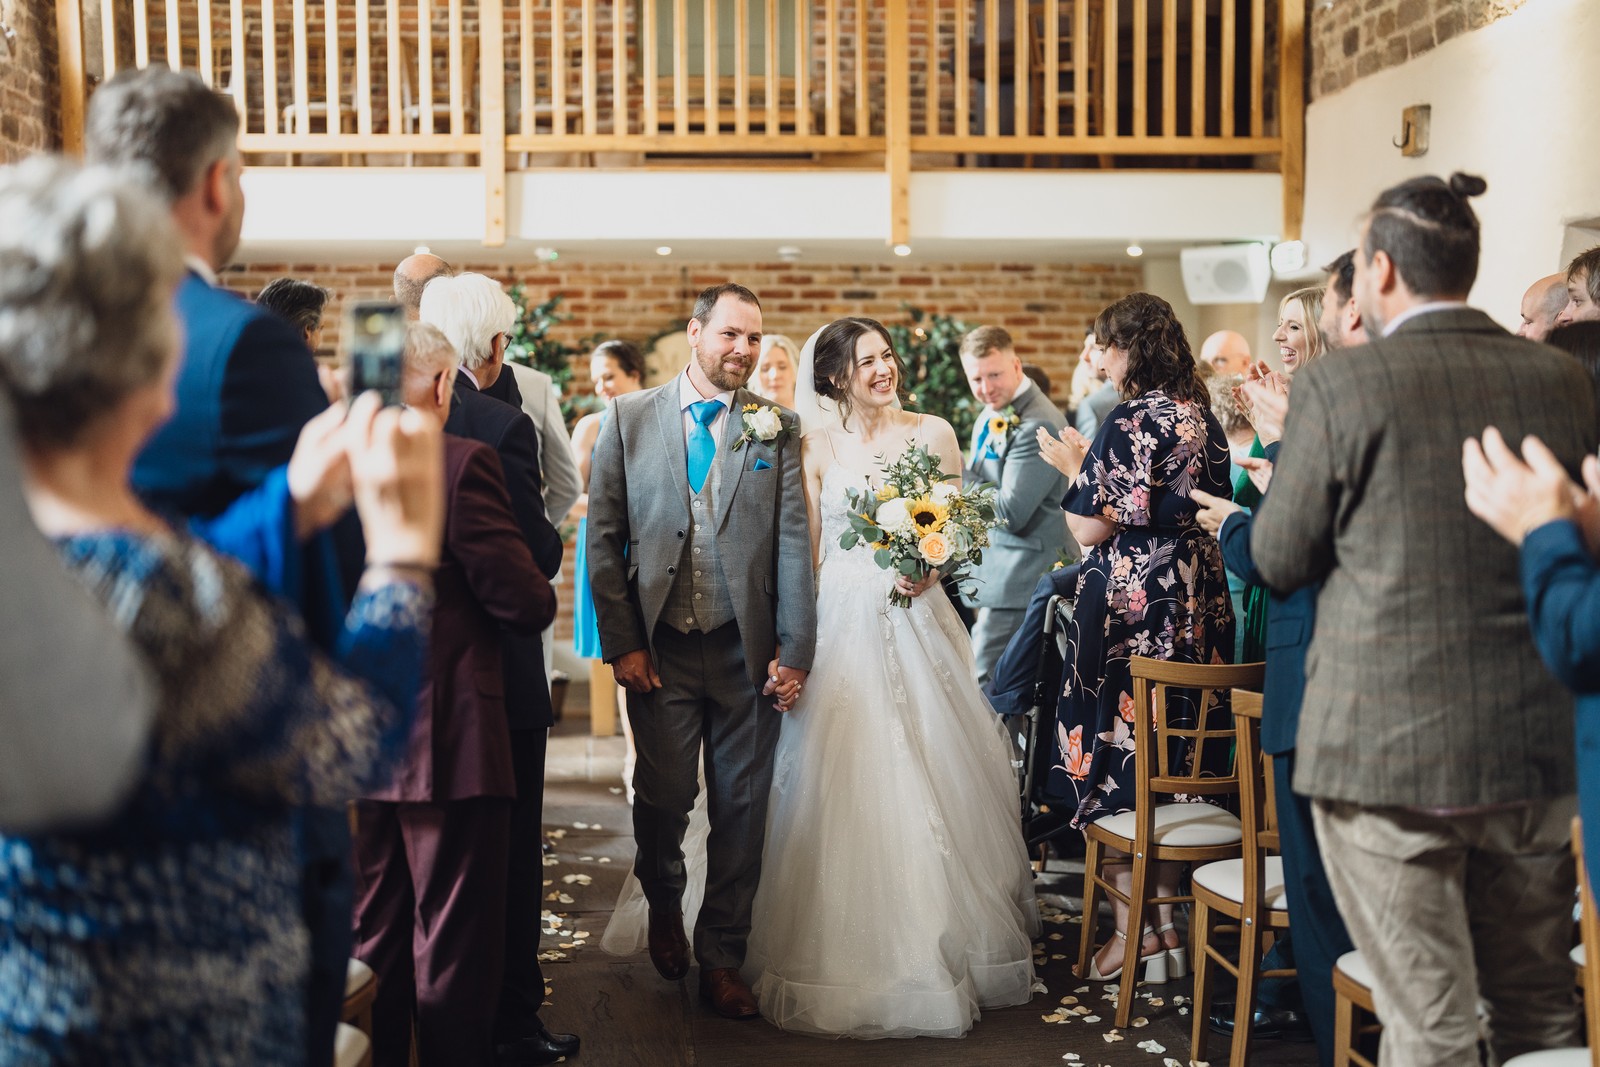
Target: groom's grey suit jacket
column 1029, row 499
column 638, row 529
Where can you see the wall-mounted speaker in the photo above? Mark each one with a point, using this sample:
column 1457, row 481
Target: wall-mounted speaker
column 1226, row 274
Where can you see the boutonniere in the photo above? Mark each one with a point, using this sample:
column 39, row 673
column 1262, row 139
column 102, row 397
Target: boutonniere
column 1001, row 424
column 764, row 424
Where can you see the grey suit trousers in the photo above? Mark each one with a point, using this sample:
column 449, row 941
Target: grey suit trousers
column 706, row 697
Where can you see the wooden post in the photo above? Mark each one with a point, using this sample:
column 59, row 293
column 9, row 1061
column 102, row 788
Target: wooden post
column 74, row 90
column 1292, row 114
column 897, row 116
column 492, row 159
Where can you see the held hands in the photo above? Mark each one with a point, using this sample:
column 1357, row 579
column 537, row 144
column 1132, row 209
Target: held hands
column 319, row 473
column 1514, row 496
column 397, row 470
column 636, row 671
column 1214, row 510
column 784, row 682
column 1066, row 453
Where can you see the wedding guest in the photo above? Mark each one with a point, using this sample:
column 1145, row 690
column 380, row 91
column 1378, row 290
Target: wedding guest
column 300, row 303
column 1152, row 580
column 1005, row 453
column 775, row 369
column 1582, row 340
column 475, row 314
column 246, row 387
column 1098, row 404
column 1583, row 289
column 1226, row 352
column 1341, row 323
column 1542, row 305
column 616, row 368
column 1299, row 336
column 172, row 933
column 1230, row 413
column 1443, row 862
column 432, row 846
column 411, row 277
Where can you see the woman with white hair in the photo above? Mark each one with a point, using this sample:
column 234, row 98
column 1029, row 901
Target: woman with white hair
column 171, row 933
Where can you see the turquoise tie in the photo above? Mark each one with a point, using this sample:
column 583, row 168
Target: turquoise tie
column 702, row 447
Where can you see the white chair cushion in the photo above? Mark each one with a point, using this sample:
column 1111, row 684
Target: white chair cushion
column 350, row 1046
column 356, row 977
column 1182, row 825
column 1354, row 965
column 1551, row 1057
column 1225, row 878
column 1577, row 955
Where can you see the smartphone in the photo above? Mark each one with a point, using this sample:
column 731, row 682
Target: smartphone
column 377, row 332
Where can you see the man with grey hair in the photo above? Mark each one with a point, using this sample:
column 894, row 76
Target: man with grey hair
column 411, row 277
column 474, row 314
column 246, row 387
column 1542, row 304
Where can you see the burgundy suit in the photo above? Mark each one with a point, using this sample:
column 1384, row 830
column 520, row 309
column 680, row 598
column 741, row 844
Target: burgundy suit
column 432, row 848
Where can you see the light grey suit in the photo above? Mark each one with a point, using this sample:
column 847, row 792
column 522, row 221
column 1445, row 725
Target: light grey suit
column 1029, row 500
column 639, row 530
column 75, row 705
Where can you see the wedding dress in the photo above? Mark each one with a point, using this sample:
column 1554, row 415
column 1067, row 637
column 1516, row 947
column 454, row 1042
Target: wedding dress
column 895, row 898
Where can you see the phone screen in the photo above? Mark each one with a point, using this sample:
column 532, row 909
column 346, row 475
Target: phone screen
column 377, row 332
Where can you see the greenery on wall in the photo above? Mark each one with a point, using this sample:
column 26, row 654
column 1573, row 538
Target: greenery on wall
column 930, row 348
column 532, row 345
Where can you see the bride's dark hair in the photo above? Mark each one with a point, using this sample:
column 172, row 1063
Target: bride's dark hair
column 833, row 360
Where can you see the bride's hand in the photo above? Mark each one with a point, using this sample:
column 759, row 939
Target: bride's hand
column 906, row 587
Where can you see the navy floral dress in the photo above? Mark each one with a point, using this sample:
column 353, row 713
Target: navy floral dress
column 1155, row 588
column 172, row 934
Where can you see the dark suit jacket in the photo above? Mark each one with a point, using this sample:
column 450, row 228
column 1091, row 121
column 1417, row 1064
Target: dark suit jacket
column 1423, row 686
column 1291, row 618
column 505, row 390
column 486, row 584
column 1562, row 584
column 510, row 433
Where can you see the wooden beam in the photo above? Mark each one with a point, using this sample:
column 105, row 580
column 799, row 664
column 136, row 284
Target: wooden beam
column 897, row 154
column 1292, row 119
column 492, row 119
column 74, row 89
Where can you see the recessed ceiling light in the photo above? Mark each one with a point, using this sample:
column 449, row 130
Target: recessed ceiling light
column 902, row 250
column 1135, row 251
column 664, row 250
column 546, row 255
column 421, row 250
column 789, row 253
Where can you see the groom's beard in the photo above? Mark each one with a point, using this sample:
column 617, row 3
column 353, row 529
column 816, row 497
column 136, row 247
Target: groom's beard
column 720, row 376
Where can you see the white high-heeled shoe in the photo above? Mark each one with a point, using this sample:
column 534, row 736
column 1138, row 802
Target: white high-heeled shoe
column 1155, row 965
column 1177, row 958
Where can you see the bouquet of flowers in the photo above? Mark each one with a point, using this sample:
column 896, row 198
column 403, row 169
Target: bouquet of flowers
column 918, row 522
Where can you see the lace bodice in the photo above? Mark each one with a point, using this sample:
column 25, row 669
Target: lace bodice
column 856, row 561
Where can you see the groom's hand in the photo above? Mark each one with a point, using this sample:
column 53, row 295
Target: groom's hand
column 636, row 671
column 785, row 683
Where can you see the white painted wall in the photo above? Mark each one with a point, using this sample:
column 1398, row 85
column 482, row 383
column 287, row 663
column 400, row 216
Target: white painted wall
column 1515, row 102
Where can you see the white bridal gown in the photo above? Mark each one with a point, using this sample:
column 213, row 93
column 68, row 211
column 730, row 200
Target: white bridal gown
column 896, row 898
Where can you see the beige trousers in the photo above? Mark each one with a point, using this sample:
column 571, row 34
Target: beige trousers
column 1454, row 911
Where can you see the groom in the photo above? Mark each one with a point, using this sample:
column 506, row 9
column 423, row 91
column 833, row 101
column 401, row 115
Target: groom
column 700, row 561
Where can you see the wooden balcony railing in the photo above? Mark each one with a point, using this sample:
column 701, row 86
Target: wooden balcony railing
column 896, row 83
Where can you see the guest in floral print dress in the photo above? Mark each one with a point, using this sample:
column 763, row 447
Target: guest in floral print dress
column 1152, row 582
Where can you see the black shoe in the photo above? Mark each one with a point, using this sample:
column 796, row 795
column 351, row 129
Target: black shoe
column 542, row 1047
column 1273, row 1024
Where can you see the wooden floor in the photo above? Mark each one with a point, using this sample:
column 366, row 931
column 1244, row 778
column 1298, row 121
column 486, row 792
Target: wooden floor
column 629, row 1017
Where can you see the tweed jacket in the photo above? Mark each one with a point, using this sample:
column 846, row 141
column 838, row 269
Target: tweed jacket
column 1029, row 500
column 1423, row 685
column 638, row 528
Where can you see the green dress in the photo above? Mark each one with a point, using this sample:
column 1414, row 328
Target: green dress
column 1247, row 496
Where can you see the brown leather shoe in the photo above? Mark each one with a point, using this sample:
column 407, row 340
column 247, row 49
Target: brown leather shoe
column 727, row 993
column 669, row 948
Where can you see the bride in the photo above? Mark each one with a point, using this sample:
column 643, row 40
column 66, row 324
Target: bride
column 895, row 896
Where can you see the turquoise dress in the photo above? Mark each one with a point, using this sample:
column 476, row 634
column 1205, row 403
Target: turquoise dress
column 585, row 623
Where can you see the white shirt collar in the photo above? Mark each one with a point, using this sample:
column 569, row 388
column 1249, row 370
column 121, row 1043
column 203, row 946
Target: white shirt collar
column 688, row 394
column 200, row 267
column 1026, row 384
column 1421, row 309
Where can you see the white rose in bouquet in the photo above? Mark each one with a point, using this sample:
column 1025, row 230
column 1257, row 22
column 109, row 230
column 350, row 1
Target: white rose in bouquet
column 765, row 423
column 945, row 492
column 894, row 516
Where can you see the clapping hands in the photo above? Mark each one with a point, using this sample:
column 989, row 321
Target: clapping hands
column 1264, row 398
column 1066, row 453
column 1517, row 495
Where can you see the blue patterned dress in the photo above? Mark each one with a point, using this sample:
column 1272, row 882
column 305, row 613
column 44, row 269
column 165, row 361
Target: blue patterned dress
column 585, row 620
column 172, row 934
column 1156, row 587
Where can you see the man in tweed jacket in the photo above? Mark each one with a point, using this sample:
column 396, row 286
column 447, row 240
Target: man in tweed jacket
column 1438, row 749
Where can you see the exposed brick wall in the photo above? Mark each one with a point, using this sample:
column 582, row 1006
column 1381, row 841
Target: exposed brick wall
column 1046, row 307
column 30, row 102
column 1352, row 39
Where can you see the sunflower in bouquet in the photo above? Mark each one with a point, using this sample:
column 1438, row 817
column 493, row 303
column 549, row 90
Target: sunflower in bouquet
column 917, row 522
